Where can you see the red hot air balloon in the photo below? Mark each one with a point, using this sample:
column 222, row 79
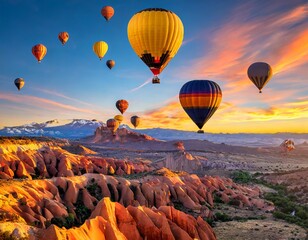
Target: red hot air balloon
column 200, row 99
column 107, row 12
column 122, row 105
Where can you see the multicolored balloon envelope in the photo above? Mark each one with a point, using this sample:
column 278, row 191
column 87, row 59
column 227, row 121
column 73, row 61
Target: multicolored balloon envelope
column 63, row 37
column 19, row 83
column 135, row 120
column 260, row 73
column 200, row 99
column 110, row 64
column 122, row 105
column 156, row 35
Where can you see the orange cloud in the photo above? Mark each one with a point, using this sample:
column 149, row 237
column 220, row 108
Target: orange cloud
column 43, row 103
column 228, row 116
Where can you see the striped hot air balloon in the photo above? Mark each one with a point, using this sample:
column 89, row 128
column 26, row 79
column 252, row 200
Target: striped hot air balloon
column 260, row 73
column 200, row 99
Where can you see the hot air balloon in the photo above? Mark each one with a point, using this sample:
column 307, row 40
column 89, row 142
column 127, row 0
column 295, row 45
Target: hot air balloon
column 119, row 118
column 107, row 12
column 63, row 37
column 135, row 120
column 110, row 64
column 156, row 35
column 19, row 83
column 200, row 99
column 112, row 125
column 100, row 48
column 122, row 105
column 260, row 73
column 287, row 146
column 39, row 51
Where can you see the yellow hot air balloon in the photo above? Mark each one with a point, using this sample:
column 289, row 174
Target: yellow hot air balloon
column 119, row 118
column 100, row 48
column 156, row 35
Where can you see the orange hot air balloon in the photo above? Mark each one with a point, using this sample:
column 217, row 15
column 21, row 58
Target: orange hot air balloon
column 63, row 37
column 107, row 12
column 39, row 51
column 113, row 125
column 122, row 105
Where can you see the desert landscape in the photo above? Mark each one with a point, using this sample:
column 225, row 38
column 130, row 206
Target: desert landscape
column 134, row 186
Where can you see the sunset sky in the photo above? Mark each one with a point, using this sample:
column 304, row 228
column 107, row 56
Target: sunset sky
column 221, row 40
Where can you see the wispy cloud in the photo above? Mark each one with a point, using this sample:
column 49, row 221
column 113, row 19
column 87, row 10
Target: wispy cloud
column 57, row 94
column 141, row 86
column 279, row 38
column 43, row 103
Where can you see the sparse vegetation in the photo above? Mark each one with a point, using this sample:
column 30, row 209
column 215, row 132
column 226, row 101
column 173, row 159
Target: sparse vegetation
column 67, row 222
column 95, row 190
column 285, row 203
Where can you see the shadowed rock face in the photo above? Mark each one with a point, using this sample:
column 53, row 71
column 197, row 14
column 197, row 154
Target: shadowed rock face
column 111, row 220
column 44, row 161
column 123, row 135
column 38, row 201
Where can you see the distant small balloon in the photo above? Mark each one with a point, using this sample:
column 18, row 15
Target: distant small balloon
column 110, row 64
column 19, row 83
column 100, row 49
column 112, row 125
column 39, row 51
column 63, row 37
column 107, row 12
column 260, row 73
column 119, row 118
column 135, row 120
column 122, row 105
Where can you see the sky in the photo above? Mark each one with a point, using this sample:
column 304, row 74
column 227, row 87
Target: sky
column 221, row 40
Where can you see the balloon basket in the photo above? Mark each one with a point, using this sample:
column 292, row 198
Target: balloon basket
column 200, row 131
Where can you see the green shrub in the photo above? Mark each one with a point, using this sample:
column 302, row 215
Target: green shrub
column 241, row 177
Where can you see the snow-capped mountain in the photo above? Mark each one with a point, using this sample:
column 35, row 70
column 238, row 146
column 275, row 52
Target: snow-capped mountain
column 80, row 128
column 76, row 128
